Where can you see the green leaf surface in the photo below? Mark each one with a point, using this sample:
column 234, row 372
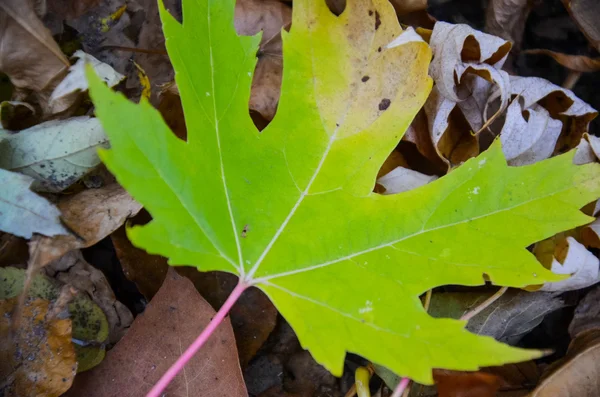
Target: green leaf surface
column 291, row 209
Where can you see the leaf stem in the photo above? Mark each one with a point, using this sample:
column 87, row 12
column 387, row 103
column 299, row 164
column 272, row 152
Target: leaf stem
column 164, row 381
column 401, row 387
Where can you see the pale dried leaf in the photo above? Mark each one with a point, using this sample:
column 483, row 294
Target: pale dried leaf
column 588, row 150
column 574, row 259
column 403, row 179
column 585, row 14
column 56, row 153
column 506, row 19
column 29, row 55
column 527, row 141
column 577, row 63
column 68, row 90
column 92, row 215
column 22, row 212
column 156, row 339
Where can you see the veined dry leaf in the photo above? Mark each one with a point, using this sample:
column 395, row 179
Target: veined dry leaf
column 22, row 212
column 291, row 208
column 73, row 270
column 68, row 90
column 157, row 337
column 92, row 215
column 466, row 65
column 577, row 63
column 29, row 55
column 584, row 13
column 56, row 153
column 402, row 179
column 38, row 359
column 506, row 19
column 528, row 140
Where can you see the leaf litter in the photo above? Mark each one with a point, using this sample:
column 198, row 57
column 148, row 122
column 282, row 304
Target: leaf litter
column 536, row 120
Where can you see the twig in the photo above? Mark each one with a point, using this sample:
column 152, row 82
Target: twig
column 427, row 302
column 401, row 387
column 469, row 315
column 571, row 80
column 161, row 385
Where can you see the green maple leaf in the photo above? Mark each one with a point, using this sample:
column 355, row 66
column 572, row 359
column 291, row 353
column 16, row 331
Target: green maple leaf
column 291, row 209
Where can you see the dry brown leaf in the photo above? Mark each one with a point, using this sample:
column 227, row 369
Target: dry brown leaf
column 577, row 63
column 506, row 19
column 29, row 55
column 576, row 375
column 270, row 16
column 70, row 9
column 156, row 339
column 92, row 215
column 585, row 14
column 38, row 359
column 466, row 65
column 466, row 384
column 73, row 270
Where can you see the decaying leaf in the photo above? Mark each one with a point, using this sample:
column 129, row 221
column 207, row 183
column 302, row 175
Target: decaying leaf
column 588, row 150
column 38, row 358
column 576, row 375
column 584, row 13
column 305, row 216
column 73, row 270
column 90, row 327
column 22, row 212
column 577, row 63
column 466, row 65
column 68, row 90
column 70, row 9
column 506, row 19
column 402, row 179
column 155, row 340
column 17, row 115
column 92, row 215
column 29, row 55
column 56, row 153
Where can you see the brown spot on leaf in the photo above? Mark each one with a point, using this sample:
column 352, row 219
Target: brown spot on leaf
column 365, row 79
column 370, row 13
column 384, row 104
column 379, row 49
column 377, row 20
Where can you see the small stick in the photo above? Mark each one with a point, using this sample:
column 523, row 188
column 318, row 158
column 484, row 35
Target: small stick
column 469, row 315
column 571, row 80
column 401, row 387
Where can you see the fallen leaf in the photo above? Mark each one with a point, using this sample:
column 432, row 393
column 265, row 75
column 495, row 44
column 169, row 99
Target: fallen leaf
column 590, row 235
column 157, row 337
column 577, row 63
column 29, row 56
column 73, row 270
column 23, row 212
column 466, row 65
column 17, row 115
column 90, row 327
column 67, row 91
column 70, row 9
column 588, row 150
column 507, row 319
column 38, row 358
column 584, row 14
column 506, row 19
column 576, row 374
column 260, row 219
column 530, row 135
column 461, row 384
column 402, row 179
column 92, row 215
column 56, row 153
column 573, row 258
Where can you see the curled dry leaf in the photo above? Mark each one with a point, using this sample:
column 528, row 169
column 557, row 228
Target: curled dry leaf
column 156, row 339
column 17, row 115
column 506, row 19
column 73, row 270
column 92, row 215
column 28, row 53
column 588, row 150
column 56, row 153
column 38, row 358
column 23, row 212
column 585, row 14
column 576, row 375
column 473, row 59
column 67, row 91
column 577, row 63
column 574, row 259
